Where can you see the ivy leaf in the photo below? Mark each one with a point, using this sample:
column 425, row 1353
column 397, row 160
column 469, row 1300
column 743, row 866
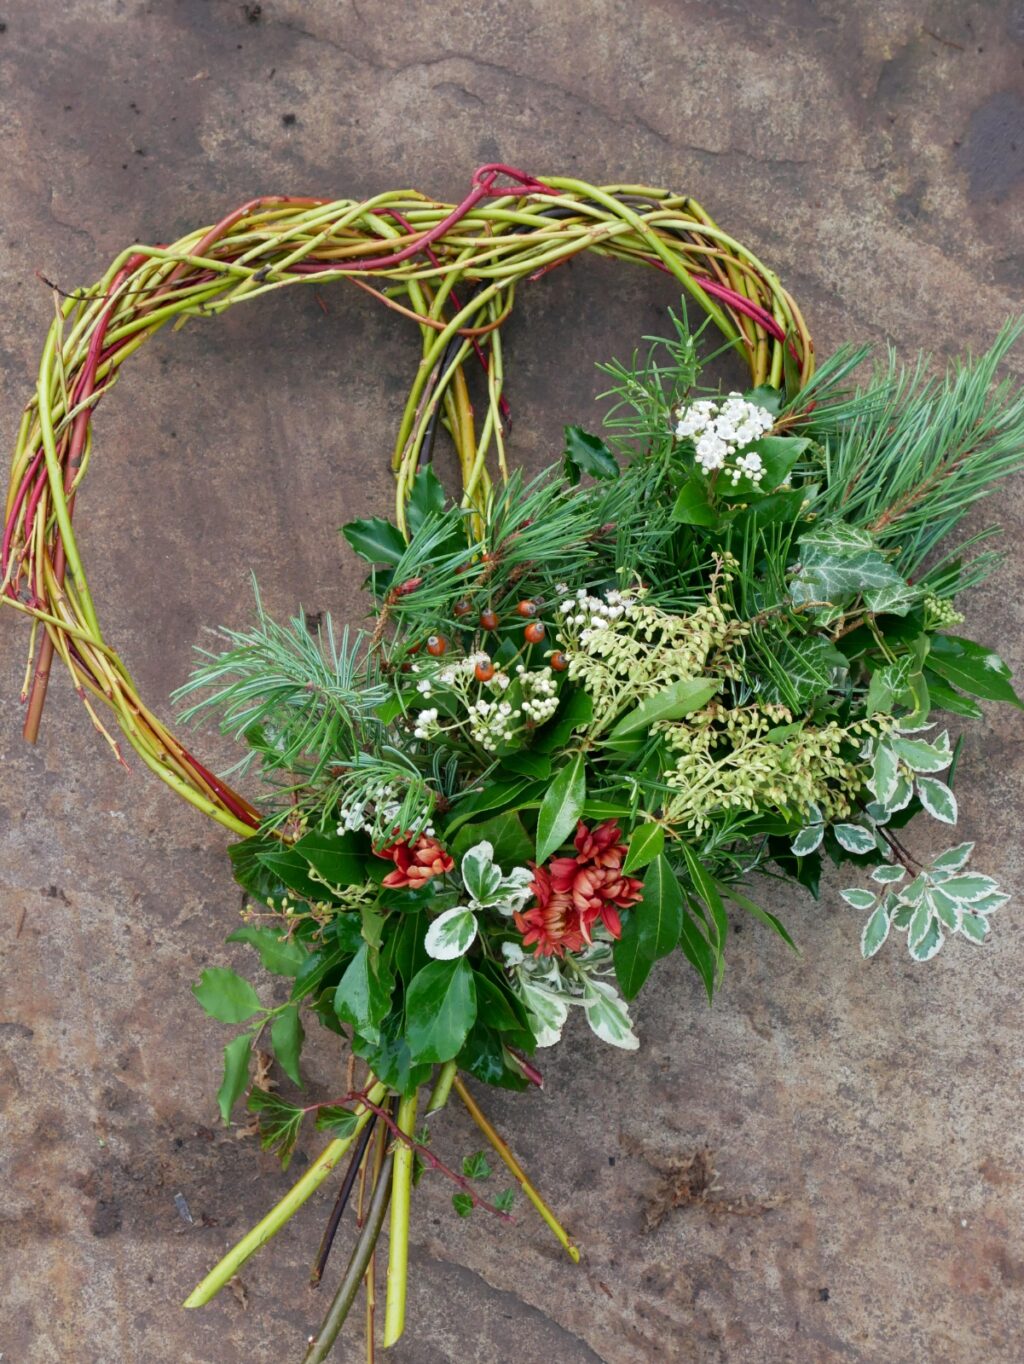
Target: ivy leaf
column 463, row 1204
column 282, row 956
column 279, row 1123
column 363, row 995
column 587, row 454
column 876, row 930
column 376, row 540
column 451, row 934
column 440, row 1009
column 476, row 1166
column 236, row 1074
column 561, row 807
column 505, row 1201
column 937, row 799
column 645, row 843
column 339, row 1122
column 973, row 668
column 673, row 702
column 226, row 996
column 839, row 563
column 286, row 1037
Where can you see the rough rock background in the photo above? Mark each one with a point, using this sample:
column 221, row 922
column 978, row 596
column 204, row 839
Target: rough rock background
column 873, row 152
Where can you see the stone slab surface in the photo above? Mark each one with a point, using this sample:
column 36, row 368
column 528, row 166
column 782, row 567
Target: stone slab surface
column 873, row 152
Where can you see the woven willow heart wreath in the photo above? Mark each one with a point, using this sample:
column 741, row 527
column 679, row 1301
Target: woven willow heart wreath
column 714, row 641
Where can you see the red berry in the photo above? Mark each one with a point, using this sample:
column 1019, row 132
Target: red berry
column 436, row 645
column 462, row 607
column 559, row 661
column 526, row 608
column 489, row 619
column 535, row 632
column 484, row 671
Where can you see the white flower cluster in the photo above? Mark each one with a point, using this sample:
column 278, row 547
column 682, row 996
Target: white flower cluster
column 720, row 428
column 426, row 724
column 380, row 807
column 540, row 694
column 492, row 723
column 582, row 611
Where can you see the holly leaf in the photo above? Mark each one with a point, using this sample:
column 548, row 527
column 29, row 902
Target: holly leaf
column 587, row 454
column 376, row 540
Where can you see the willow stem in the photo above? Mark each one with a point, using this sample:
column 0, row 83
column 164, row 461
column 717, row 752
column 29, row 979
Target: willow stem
column 340, row 1203
column 502, row 1149
column 442, row 1087
column 279, row 1214
column 398, row 1236
column 321, row 1344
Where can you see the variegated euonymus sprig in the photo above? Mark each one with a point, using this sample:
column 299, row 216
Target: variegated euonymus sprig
column 926, row 902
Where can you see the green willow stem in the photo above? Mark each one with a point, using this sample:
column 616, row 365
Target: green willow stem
column 517, row 1171
column 320, row 1345
column 442, row 1088
column 398, row 1236
column 279, row 1214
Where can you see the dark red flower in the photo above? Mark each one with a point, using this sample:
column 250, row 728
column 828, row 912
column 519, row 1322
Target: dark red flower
column 415, row 863
column 552, row 925
column 573, row 893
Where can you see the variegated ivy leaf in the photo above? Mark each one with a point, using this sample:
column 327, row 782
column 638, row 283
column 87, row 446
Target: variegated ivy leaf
column 488, row 887
column 451, row 934
column 876, row 930
column 608, row 1015
column 547, row 1011
column 888, row 874
column 921, row 756
column 937, row 799
column 858, row 898
column 927, row 946
column 854, row 838
column 807, row 840
column 953, row 859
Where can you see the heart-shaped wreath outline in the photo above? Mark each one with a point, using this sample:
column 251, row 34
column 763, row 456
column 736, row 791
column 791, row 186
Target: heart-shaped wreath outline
column 457, row 265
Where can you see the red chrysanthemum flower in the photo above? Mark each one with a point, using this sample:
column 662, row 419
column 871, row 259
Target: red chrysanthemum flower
column 573, row 893
column 415, row 863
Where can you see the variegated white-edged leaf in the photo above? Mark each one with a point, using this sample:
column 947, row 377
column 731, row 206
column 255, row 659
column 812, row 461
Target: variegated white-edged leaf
column 937, row 798
column 953, row 859
column 902, row 916
column 922, row 756
column 968, row 886
column 973, row 927
column 481, row 877
column 988, row 904
column 922, row 728
column 878, row 814
column 807, row 840
column 902, row 795
column 547, row 1012
column 920, row 922
column 946, row 908
column 854, row 838
column 858, row 898
column 451, row 934
column 927, row 946
column 876, row 930
column 911, row 895
column 608, row 1016
column 888, row 874
column 885, row 773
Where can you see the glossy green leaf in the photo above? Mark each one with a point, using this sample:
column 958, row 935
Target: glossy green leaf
column 282, row 956
column 440, row 1009
column 286, row 1037
column 673, row 702
column 587, row 454
column 226, row 996
column 692, row 506
column 236, row 1074
column 645, row 843
column 363, row 995
column 973, row 668
column 561, row 807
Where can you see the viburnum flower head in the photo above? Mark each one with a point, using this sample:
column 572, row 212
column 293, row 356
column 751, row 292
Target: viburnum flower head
column 573, row 893
column 416, row 863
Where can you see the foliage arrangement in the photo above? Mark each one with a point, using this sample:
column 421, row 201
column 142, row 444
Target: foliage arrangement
column 719, row 640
